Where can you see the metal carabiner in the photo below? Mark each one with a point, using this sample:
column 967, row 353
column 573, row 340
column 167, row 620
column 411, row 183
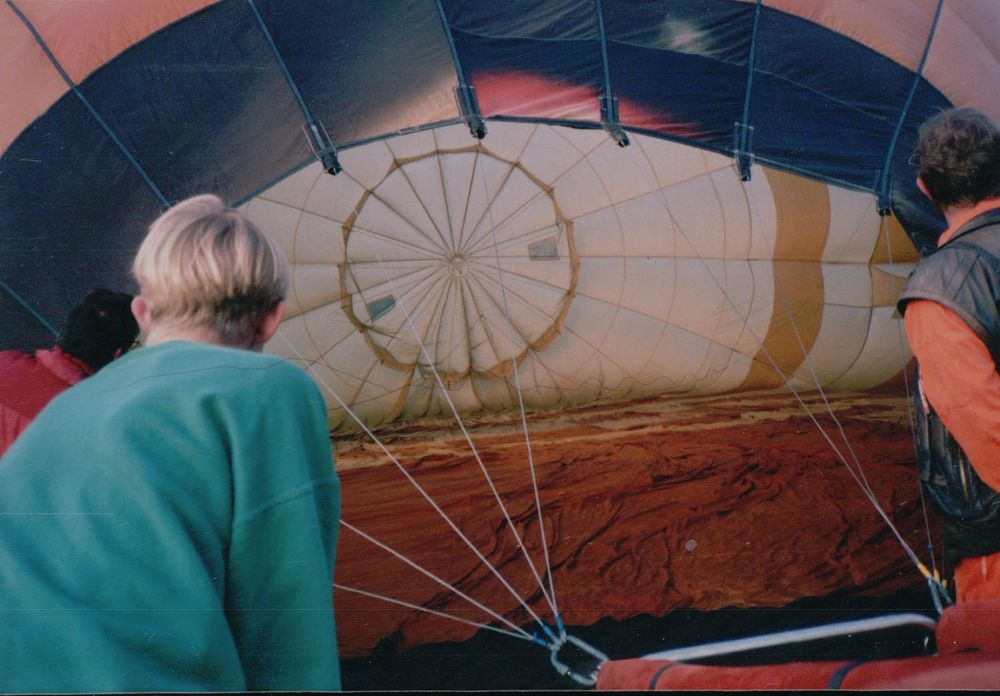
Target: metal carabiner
column 566, row 670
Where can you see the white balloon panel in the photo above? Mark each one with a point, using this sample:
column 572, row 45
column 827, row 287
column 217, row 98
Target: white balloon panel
column 435, row 263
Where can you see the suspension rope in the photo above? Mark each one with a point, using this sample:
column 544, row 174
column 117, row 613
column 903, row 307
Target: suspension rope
column 909, row 411
column 858, row 475
column 31, row 310
column 496, row 573
column 787, row 380
column 917, row 77
column 487, row 218
column 521, row 633
column 932, row 575
column 468, row 438
column 858, row 479
column 90, row 107
column 520, row 402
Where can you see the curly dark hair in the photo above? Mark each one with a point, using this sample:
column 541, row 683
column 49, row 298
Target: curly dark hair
column 958, row 153
column 99, row 327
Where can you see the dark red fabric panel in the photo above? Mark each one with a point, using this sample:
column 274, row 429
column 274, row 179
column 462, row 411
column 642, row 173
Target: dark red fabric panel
column 619, row 675
column 959, row 671
column 970, row 626
column 629, row 675
column 970, row 670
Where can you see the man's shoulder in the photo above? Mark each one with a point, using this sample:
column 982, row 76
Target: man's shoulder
column 941, row 276
column 14, row 359
column 251, row 360
column 946, row 261
column 25, row 373
column 203, row 361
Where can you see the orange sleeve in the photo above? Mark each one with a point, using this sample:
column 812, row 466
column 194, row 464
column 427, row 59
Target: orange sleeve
column 960, row 381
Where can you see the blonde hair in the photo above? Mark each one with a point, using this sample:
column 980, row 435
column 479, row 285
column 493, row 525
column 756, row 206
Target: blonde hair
column 205, row 264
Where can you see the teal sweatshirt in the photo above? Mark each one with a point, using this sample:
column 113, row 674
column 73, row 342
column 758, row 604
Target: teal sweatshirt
column 169, row 524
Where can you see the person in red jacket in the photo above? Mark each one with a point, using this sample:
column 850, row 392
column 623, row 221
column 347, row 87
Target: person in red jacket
column 951, row 312
column 98, row 330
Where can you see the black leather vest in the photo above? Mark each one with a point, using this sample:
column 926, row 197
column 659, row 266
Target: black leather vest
column 964, row 276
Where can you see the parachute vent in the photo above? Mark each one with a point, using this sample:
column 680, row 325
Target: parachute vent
column 380, row 307
column 545, row 250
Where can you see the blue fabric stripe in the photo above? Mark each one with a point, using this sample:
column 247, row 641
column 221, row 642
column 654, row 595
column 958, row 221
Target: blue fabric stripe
column 207, row 107
column 451, row 43
column 281, row 62
column 884, row 189
column 820, row 103
column 21, row 301
column 750, row 68
column 107, row 129
column 599, row 11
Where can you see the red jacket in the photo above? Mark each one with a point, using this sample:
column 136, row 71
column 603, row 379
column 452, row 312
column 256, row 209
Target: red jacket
column 960, row 380
column 28, row 382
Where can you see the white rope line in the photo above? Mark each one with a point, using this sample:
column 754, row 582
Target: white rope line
column 471, row 246
column 856, row 472
column 468, row 439
column 420, row 200
column 550, row 594
column 468, row 244
column 778, row 370
column 859, row 477
column 521, row 633
column 524, row 418
column 416, row 485
column 417, row 607
column 423, row 233
column 910, row 404
column 859, row 474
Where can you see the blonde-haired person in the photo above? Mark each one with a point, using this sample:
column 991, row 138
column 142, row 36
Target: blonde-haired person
column 170, row 523
column 208, row 274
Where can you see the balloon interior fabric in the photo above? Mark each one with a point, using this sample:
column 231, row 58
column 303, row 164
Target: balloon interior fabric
column 601, row 272
column 138, row 104
column 537, row 202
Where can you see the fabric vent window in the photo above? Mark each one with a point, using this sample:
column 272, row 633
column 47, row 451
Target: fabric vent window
column 543, row 250
column 380, row 307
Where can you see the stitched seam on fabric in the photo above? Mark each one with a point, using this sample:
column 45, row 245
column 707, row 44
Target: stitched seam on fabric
column 947, row 302
column 292, row 495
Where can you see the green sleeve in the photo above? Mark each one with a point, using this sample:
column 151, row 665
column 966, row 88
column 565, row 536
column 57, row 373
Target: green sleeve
column 281, row 557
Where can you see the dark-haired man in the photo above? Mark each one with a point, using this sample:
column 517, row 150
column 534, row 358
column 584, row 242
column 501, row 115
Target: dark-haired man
column 98, row 330
column 952, row 322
